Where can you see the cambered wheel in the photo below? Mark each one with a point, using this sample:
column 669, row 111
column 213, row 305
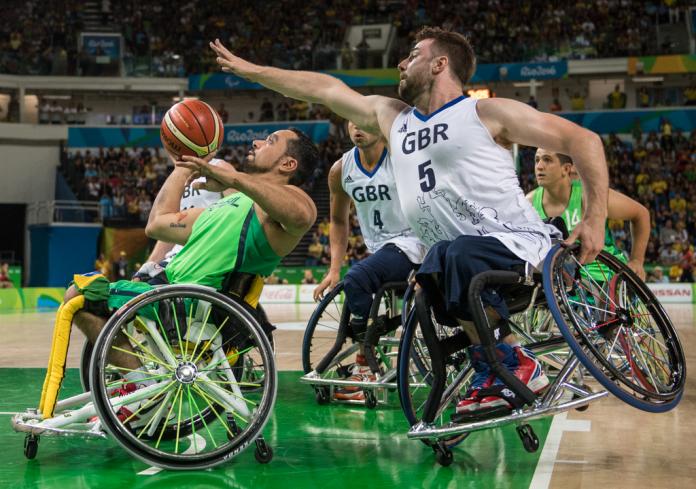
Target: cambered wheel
column 617, row 328
column 188, row 355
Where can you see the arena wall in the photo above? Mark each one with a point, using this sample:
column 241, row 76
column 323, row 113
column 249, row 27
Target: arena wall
column 29, row 155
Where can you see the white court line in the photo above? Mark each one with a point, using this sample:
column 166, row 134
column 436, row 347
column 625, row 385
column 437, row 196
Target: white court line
column 544, row 468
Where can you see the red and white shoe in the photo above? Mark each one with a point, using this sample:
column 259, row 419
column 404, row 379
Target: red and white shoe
column 482, row 380
column 361, row 373
column 525, row 366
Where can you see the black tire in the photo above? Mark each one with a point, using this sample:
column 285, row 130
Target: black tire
column 85, row 360
column 444, row 456
column 414, row 378
column 323, row 395
column 370, row 399
column 31, row 446
column 263, row 453
column 322, row 328
column 530, row 441
column 181, row 373
column 617, row 328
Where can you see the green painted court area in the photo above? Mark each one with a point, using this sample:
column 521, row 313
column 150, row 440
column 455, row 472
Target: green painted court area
column 315, row 446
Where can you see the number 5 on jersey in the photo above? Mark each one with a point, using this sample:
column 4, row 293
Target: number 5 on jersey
column 426, row 176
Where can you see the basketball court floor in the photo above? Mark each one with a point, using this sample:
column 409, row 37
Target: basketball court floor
column 611, row 445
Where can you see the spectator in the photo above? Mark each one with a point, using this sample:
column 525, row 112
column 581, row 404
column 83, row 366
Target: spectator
column 274, row 279
column 315, row 251
column 555, row 106
column 249, row 117
column 657, row 276
column 577, row 101
column 120, row 268
column 347, row 57
column 5, row 282
column 532, row 102
column 106, row 206
column 616, row 98
column 102, row 265
column 363, row 52
column 266, row 111
column 222, row 112
column 643, row 97
column 668, row 235
column 308, row 277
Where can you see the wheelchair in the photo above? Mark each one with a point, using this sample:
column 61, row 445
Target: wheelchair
column 612, row 328
column 212, row 382
column 329, row 345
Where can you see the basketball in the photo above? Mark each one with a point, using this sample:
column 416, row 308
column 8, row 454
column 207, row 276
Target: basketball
column 191, row 127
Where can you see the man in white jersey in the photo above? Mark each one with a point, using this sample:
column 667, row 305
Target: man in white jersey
column 365, row 175
column 456, row 178
column 162, row 253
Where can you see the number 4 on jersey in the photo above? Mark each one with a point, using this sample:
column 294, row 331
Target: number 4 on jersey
column 377, row 221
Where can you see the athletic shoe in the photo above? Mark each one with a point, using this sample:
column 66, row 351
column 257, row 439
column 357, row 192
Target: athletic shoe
column 482, row 380
column 125, row 412
column 361, row 373
column 524, row 365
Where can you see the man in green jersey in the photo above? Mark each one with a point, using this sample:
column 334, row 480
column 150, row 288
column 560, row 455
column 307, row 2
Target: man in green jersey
column 246, row 232
column 559, row 195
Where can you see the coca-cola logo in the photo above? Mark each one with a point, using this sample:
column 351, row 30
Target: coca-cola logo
column 278, row 293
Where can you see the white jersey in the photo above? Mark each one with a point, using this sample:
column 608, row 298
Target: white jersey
column 454, row 179
column 195, row 198
column 377, row 205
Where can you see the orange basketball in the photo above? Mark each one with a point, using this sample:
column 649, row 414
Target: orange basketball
column 191, row 127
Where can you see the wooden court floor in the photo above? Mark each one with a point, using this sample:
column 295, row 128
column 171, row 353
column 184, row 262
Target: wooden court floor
column 611, row 445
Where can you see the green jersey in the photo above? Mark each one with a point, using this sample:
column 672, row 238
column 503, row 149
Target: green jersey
column 227, row 237
column 572, row 216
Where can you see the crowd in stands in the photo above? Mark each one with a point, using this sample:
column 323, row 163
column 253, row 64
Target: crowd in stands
column 657, row 169
column 319, row 250
column 170, row 39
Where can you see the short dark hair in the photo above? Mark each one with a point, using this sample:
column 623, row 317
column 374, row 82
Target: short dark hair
column 456, row 47
column 305, row 152
column 564, row 159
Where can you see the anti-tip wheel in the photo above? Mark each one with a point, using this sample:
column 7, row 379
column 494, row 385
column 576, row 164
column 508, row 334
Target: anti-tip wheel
column 370, row 399
column 322, row 395
column 263, row 452
column 31, row 446
column 530, row 441
column 444, row 456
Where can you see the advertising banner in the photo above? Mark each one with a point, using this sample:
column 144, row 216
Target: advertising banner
column 658, row 65
column 623, row 121
column 390, row 76
column 673, row 293
column 148, row 136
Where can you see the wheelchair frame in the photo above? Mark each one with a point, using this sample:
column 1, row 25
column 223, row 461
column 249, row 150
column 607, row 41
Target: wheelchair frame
column 385, row 380
column 79, row 416
column 625, row 314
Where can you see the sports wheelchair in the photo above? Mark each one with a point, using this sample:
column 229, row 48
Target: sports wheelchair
column 211, row 387
column 612, row 328
column 327, row 353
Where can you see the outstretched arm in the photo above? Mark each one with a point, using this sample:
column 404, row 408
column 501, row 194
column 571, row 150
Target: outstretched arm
column 510, row 121
column 372, row 113
column 338, row 231
column 627, row 209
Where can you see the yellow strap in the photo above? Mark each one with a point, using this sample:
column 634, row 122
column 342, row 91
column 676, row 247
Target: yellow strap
column 59, row 354
column 252, row 297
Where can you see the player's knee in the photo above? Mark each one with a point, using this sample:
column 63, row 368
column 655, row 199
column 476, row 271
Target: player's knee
column 70, row 293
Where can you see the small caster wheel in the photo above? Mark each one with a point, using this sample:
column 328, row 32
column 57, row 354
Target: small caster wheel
column 529, row 439
column 444, row 456
column 263, row 453
column 586, row 406
column 370, row 399
column 322, row 395
column 31, row 446
column 234, row 429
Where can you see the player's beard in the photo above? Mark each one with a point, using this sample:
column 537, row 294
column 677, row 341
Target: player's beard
column 412, row 88
column 250, row 167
